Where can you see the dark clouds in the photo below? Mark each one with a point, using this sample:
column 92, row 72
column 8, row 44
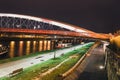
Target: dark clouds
column 96, row 15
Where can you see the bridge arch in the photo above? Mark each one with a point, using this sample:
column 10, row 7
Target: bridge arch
column 31, row 24
column 22, row 19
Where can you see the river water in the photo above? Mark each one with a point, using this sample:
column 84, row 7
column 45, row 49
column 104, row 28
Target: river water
column 20, row 48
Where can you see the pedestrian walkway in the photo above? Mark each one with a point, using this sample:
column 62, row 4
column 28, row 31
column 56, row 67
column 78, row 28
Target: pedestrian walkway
column 7, row 68
column 92, row 68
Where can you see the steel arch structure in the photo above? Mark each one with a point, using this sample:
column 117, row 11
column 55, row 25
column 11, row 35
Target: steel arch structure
column 29, row 24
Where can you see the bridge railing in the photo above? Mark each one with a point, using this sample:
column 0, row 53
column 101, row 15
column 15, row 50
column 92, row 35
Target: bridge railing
column 113, row 65
column 50, row 32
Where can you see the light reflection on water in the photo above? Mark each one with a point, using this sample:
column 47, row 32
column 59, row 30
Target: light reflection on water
column 40, row 45
column 28, row 47
column 48, row 47
column 12, row 49
column 45, row 42
column 20, row 48
column 34, row 46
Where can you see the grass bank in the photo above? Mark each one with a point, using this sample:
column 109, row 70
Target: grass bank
column 35, row 70
column 55, row 75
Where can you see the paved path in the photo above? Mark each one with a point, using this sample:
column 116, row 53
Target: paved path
column 92, row 66
column 7, row 68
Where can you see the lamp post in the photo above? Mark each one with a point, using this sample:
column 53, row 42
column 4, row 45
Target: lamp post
column 55, row 47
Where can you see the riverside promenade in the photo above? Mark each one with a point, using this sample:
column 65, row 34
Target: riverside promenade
column 7, row 68
column 91, row 68
column 94, row 68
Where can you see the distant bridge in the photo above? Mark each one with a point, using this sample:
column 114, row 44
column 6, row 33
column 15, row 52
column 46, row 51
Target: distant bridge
column 15, row 23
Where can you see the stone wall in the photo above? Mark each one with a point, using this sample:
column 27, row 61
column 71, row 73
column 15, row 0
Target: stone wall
column 113, row 65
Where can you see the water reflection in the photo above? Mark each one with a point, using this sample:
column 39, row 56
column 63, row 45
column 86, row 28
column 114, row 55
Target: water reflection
column 48, row 47
column 20, row 48
column 12, row 49
column 28, row 47
column 40, row 45
column 34, row 46
column 20, row 51
column 45, row 42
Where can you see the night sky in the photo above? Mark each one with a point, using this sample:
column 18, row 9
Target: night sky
column 97, row 15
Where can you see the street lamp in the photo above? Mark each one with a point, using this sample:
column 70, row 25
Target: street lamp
column 55, row 47
column 101, row 67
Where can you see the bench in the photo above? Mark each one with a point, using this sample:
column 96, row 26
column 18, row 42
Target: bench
column 62, row 54
column 15, row 72
column 38, row 57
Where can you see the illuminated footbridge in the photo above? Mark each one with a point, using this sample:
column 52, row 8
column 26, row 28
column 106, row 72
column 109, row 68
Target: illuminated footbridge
column 24, row 35
column 21, row 24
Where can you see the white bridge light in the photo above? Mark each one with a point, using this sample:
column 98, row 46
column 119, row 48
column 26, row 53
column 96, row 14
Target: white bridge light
column 62, row 25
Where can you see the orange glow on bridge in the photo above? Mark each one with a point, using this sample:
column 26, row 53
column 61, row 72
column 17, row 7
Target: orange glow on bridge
column 70, row 30
column 54, row 32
